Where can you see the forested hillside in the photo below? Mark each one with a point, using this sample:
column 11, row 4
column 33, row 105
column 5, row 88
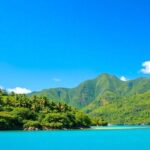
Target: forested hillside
column 105, row 99
column 34, row 113
column 133, row 109
column 104, row 85
column 108, row 99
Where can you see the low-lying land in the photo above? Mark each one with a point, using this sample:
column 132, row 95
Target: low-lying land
column 21, row 112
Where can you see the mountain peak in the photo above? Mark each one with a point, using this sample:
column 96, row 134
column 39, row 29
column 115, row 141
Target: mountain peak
column 94, row 89
column 107, row 76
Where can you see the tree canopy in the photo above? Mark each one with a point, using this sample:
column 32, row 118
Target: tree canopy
column 24, row 112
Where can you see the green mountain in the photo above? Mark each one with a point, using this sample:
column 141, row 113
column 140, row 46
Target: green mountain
column 107, row 99
column 133, row 109
column 103, row 89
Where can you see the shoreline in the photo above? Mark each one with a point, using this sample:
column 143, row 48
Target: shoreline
column 92, row 128
column 120, row 127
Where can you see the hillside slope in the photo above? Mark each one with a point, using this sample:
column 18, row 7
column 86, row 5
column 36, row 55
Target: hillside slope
column 102, row 89
column 133, row 109
column 21, row 112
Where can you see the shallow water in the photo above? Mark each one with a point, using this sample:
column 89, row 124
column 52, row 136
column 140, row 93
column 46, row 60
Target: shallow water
column 120, row 127
column 138, row 139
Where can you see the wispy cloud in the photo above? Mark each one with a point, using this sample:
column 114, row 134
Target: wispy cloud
column 123, row 78
column 19, row 90
column 57, row 79
column 146, row 67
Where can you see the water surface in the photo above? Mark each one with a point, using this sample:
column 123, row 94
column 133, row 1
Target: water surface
column 132, row 139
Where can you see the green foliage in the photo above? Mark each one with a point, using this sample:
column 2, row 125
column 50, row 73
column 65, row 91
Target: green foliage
column 104, row 88
column 126, row 110
column 8, row 121
column 107, row 99
column 82, row 119
column 24, row 112
column 31, row 123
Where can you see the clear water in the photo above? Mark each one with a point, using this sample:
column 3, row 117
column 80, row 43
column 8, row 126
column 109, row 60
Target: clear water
column 117, row 127
column 133, row 139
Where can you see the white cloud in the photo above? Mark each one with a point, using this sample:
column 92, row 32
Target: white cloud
column 146, row 67
column 56, row 79
column 19, row 90
column 123, row 78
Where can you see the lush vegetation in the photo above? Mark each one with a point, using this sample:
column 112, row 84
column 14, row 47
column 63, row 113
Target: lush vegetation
column 108, row 99
column 33, row 113
column 133, row 109
column 92, row 90
column 105, row 99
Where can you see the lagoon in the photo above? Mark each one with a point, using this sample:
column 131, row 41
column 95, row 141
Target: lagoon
column 111, row 139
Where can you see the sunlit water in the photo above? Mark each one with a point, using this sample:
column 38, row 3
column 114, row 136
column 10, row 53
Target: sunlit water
column 112, row 139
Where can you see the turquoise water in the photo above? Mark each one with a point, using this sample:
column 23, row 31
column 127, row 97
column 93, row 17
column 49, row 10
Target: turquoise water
column 117, row 127
column 133, row 139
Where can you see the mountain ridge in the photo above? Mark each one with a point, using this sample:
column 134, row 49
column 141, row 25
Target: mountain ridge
column 90, row 90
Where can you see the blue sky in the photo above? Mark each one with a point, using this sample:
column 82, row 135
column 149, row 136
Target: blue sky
column 61, row 43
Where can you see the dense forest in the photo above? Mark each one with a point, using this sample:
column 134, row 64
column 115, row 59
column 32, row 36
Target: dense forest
column 128, row 110
column 91, row 90
column 101, row 101
column 107, row 99
column 18, row 112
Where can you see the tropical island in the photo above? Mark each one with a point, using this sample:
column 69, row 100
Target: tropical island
column 101, row 101
column 21, row 112
column 107, row 99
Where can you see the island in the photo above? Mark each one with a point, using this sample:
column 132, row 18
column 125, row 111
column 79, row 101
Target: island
column 21, row 112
